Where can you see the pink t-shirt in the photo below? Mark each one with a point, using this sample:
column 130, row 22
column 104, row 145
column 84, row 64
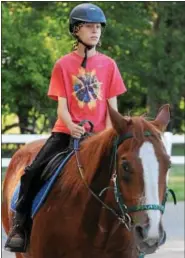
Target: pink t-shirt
column 86, row 90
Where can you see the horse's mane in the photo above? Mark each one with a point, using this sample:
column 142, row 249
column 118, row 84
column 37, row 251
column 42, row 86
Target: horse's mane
column 98, row 148
column 91, row 153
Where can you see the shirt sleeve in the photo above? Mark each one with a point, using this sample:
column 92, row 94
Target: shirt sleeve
column 117, row 86
column 56, row 86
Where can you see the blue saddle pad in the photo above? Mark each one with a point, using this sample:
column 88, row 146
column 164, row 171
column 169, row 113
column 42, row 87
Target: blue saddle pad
column 42, row 194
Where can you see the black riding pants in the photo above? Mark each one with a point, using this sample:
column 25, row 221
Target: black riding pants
column 31, row 179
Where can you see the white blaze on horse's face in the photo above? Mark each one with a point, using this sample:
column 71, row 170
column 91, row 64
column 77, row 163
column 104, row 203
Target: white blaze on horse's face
column 151, row 185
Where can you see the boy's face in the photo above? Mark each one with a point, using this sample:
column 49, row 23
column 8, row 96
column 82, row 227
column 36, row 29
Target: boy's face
column 90, row 33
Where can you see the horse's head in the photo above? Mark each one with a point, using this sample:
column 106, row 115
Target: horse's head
column 141, row 174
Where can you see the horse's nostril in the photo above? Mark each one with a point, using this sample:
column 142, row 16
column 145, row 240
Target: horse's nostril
column 141, row 231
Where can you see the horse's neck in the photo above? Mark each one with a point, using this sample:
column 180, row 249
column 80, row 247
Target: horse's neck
column 101, row 225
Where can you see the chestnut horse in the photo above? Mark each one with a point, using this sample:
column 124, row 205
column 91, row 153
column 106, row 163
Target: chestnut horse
column 113, row 206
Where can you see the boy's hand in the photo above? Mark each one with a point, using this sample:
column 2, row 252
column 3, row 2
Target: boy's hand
column 76, row 130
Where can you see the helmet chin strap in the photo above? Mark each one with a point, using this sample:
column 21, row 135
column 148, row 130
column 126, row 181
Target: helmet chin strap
column 87, row 48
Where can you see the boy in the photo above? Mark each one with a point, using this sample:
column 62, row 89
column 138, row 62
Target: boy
column 82, row 82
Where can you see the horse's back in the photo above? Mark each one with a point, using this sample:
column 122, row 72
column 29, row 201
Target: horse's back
column 20, row 159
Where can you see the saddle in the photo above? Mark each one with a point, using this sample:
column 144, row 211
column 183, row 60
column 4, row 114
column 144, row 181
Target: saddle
column 54, row 163
column 51, row 172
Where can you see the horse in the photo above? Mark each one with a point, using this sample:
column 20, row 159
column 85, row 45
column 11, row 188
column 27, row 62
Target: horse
column 111, row 196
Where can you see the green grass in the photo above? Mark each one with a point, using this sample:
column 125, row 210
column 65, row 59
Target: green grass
column 176, row 181
column 178, row 150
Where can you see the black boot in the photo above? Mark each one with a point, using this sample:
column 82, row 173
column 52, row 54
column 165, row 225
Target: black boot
column 18, row 238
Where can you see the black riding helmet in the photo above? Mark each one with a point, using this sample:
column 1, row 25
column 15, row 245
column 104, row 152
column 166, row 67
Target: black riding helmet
column 86, row 13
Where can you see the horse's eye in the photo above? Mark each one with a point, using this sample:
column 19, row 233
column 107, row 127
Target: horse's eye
column 126, row 176
column 125, row 165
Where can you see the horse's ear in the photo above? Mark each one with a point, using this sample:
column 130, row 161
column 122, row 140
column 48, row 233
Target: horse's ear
column 119, row 123
column 163, row 117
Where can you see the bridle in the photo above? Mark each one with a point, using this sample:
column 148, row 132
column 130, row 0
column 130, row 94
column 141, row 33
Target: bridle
column 124, row 211
column 119, row 197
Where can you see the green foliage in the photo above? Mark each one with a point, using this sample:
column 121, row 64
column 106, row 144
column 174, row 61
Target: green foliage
column 31, row 44
column 145, row 38
column 166, row 59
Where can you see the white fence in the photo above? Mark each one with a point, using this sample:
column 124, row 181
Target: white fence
column 169, row 140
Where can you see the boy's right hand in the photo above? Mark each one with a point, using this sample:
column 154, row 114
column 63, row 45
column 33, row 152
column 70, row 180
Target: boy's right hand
column 76, row 130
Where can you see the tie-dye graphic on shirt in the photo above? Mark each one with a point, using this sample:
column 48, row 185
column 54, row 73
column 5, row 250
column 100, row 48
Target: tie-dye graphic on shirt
column 87, row 88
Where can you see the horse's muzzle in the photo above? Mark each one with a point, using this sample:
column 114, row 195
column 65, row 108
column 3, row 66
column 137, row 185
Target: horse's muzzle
column 148, row 245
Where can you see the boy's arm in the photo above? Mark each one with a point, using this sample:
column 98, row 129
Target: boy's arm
column 64, row 115
column 63, row 112
column 114, row 105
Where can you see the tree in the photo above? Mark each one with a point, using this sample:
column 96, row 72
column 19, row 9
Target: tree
column 145, row 38
column 166, row 60
column 31, row 44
